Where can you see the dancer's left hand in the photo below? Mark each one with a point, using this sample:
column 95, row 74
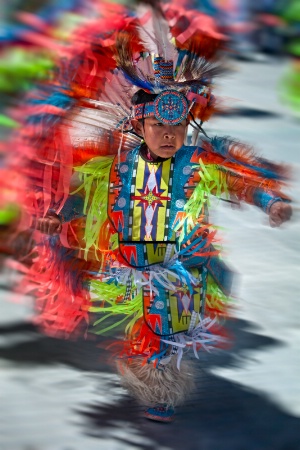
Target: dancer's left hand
column 279, row 212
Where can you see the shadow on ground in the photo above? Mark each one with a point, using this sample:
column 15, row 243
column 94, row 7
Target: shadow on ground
column 220, row 416
column 249, row 112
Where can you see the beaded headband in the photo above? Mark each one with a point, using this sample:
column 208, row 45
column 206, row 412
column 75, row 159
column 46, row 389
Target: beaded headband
column 170, row 108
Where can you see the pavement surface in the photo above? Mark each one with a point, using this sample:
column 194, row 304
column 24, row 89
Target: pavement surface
column 64, row 395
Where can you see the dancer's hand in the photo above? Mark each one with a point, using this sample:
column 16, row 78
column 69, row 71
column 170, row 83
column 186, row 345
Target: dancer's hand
column 279, row 212
column 50, row 224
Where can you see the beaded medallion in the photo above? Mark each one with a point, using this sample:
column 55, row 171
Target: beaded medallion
column 170, row 107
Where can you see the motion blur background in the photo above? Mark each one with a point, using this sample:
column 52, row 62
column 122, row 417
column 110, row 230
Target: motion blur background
column 64, row 395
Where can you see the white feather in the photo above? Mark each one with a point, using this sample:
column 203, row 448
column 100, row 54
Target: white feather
column 164, row 37
column 155, row 34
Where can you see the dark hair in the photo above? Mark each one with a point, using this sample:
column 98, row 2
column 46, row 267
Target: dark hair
column 142, row 97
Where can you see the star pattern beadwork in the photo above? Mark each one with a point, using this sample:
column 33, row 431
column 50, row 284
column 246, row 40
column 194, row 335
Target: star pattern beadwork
column 151, row 198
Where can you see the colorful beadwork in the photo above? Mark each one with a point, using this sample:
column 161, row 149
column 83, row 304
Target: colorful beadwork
column 170, row 107
column 156, row 66
column 166, row 70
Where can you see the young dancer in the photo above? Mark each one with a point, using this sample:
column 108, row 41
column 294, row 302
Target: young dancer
column 135, row 238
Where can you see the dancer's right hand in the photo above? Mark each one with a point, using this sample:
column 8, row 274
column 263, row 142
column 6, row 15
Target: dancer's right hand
column 49, row 224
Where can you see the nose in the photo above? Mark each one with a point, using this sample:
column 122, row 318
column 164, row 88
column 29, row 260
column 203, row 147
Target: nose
column 169, row 132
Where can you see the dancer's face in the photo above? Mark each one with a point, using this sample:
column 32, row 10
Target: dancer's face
column 162, row 140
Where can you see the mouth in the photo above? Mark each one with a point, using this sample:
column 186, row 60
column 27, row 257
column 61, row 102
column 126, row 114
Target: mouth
column 168, row 147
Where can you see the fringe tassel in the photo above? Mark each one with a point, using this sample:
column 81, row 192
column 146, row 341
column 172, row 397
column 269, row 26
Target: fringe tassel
column 113, row 303
column 95, row 177
column 212, row 182
column 151, row 386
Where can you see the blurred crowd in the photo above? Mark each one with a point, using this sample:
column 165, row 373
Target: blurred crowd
column 266, row 26
column 252, row 29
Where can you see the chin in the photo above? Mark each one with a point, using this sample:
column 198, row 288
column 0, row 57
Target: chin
column 165, row 153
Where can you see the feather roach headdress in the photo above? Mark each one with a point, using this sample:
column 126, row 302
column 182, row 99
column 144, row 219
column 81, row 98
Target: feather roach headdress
column 180, row 76
column 161, row 49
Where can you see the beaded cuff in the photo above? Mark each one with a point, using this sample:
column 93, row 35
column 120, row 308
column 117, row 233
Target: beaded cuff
column 264, row 200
